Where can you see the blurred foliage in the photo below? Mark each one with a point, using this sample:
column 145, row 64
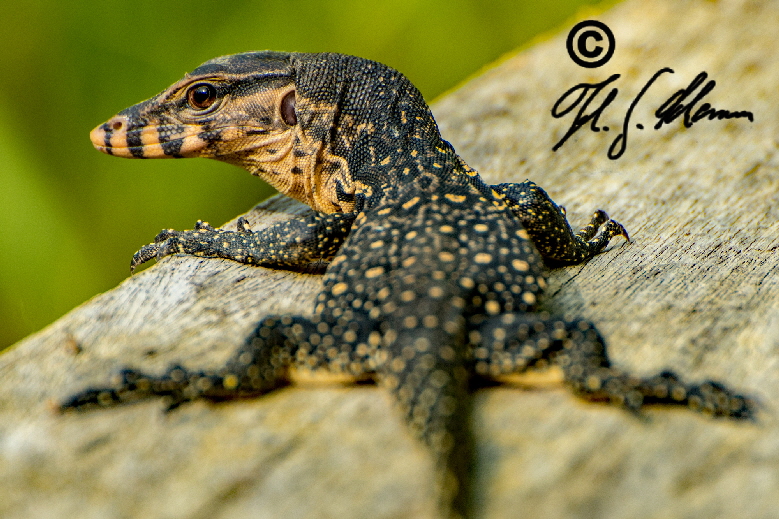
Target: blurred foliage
column 70, row 217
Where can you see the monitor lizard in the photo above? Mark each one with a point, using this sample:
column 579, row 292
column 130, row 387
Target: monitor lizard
column 434, row 276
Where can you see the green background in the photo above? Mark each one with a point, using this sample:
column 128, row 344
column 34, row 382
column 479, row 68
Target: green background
column 71, row 218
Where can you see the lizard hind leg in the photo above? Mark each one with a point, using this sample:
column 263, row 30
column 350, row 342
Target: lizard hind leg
column 259, row 366
column 512, row 343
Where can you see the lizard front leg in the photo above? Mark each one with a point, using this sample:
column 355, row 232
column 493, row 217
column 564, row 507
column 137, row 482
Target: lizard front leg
column 549, row 230
column 294, row 243
column 261, row 365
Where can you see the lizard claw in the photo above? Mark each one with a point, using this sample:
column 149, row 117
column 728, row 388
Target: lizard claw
column 243, row 225
column 157, row 248
column 146, row 253
column 200, row 225
column 128, row 385
column 620, row 230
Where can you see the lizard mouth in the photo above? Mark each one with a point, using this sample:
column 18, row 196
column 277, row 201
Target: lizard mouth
column 119, row 137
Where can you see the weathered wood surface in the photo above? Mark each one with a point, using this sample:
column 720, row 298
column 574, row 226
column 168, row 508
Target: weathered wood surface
column 696, row 291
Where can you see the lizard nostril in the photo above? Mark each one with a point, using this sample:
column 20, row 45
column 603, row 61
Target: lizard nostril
column 116, row 125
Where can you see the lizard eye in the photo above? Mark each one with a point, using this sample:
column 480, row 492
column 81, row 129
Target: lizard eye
column 288, row 109
column 201, row 96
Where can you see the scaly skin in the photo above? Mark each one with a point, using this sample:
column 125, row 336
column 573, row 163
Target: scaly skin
column 433, row 278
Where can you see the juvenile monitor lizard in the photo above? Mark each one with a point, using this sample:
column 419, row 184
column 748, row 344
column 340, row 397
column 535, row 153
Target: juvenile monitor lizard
column 433, row 277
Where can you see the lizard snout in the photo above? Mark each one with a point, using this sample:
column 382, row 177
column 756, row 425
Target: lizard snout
column 111, row 137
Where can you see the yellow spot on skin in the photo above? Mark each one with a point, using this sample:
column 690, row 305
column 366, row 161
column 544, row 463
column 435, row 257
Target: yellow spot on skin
column 383, row 293
column 529, row 298
column 410, row 321
column 410, row 203
column 520, row 265
column 385, row 211
column 385, row 161
column 446, row 228
column 411, row 235
column 407, row 296
column 373, row 272
column 409, row 261
column 455, row 198
column 467, row 283
column 436, row 292
column 522, row 233
column 422, row 343
column 446, row 256
column 391, row 381
column 480, row 227
column 230, row 382
column 377, row 244
column 492, row 307
column 339, row 288
column 482, row 258
column 446, row 353
column 451, row 327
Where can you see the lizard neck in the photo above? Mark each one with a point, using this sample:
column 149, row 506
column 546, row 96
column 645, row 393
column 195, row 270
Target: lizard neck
column 386, row 135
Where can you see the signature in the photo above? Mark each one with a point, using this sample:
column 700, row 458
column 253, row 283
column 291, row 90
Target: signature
column 683, row 103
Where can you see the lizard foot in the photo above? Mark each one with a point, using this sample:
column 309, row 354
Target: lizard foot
column 204, row 240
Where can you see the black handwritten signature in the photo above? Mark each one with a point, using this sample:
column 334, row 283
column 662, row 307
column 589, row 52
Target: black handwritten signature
column 674, row 107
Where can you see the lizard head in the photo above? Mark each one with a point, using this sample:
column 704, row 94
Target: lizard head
column 293, row 119
column 225, row 106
